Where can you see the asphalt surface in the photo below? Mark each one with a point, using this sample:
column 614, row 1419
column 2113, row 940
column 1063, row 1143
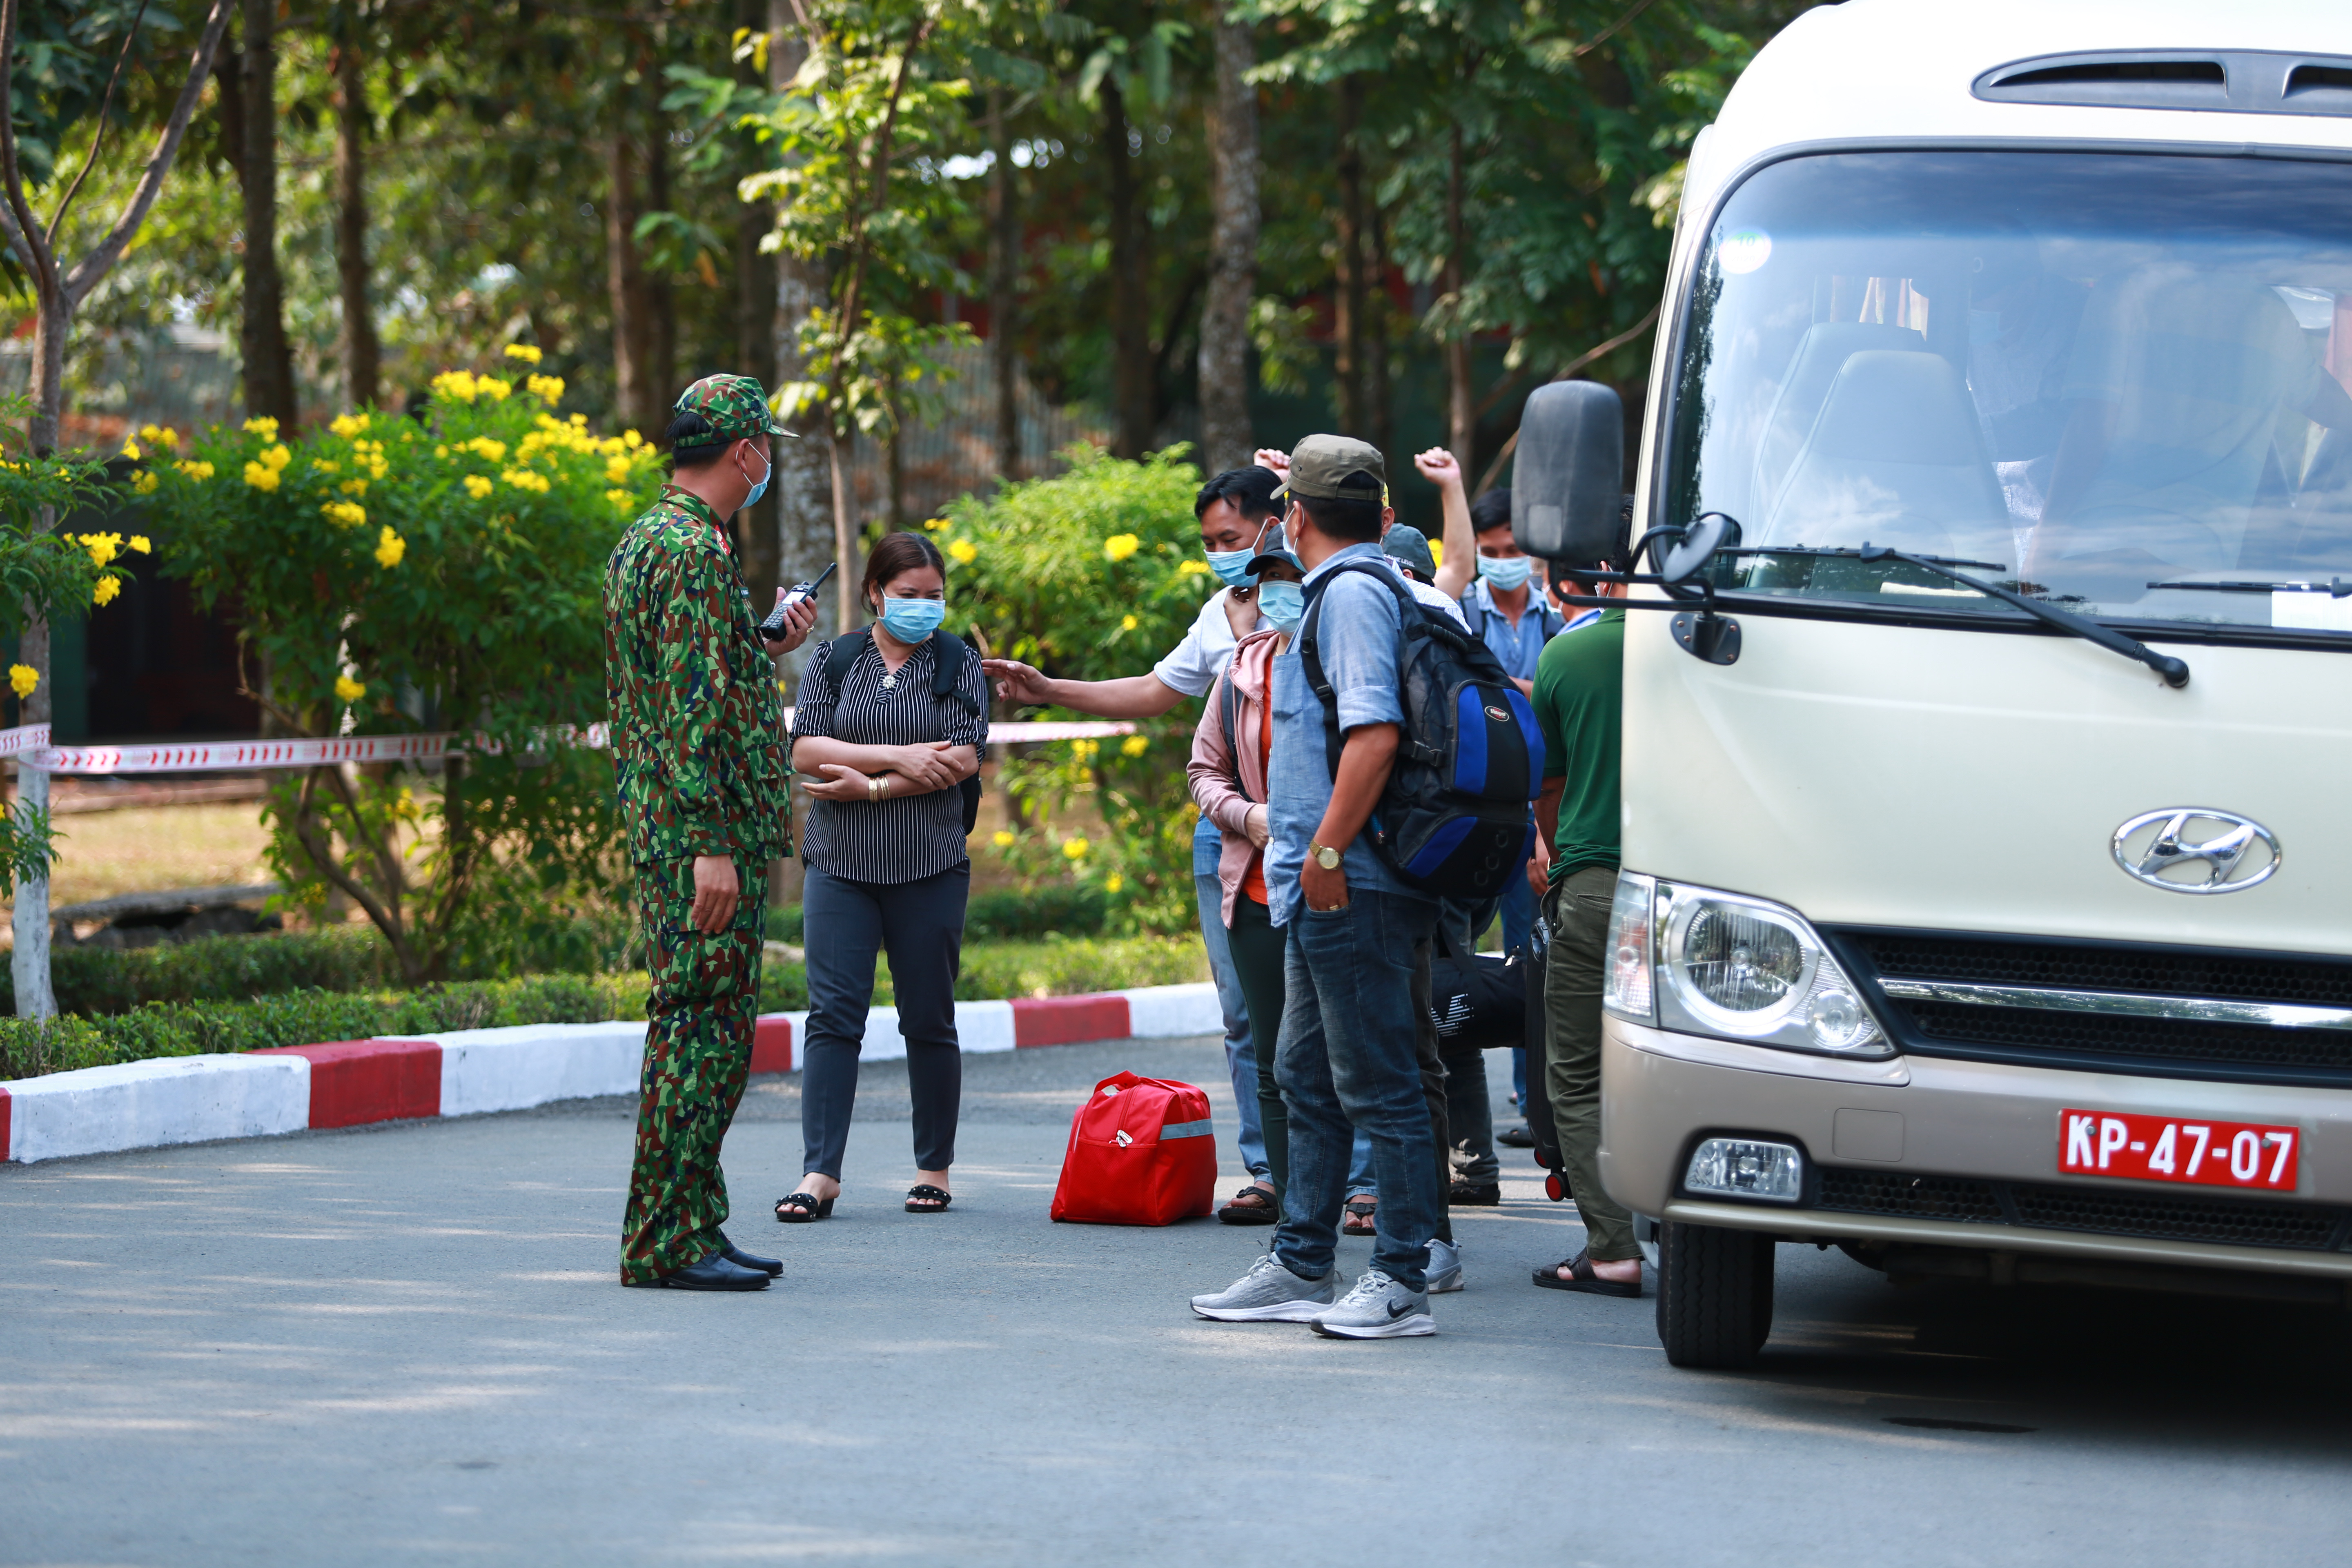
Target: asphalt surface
column 405, row 1344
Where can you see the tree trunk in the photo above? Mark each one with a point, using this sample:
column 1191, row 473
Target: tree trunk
column 1003, row 282
column 1378, row 393
column 625, row 280
column 1462, row 419
column 755, row 352
column 803, row 486
column 661, row 297
column 269, row 358
column 1347, row 325
column 1226, row 441
column 1130, row 282
column 28, row 962
column 363, row 354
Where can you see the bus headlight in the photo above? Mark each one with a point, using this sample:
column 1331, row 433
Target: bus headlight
column 1743, row 969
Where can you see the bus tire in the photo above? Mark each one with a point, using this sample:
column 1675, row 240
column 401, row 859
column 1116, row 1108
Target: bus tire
column 1715, row 1295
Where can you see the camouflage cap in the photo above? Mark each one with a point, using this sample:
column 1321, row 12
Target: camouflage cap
column 736, row 407
column 1409, row 548
column 1336, row 467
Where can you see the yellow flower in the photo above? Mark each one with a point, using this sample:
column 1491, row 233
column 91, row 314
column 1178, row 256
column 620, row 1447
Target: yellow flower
column 194, row 469
column 937, row 525
column 275, row 459
column 348, row 690
column 964, row 552
column 326, row 465
column 353, row 487
column 106, row 591
column 131, row 450
column 103, row 548
column 345, row 514
column 1074, row 848
column 1114, row 882
column 139, row 542
column 1128, row 622
column 632, row 441
column 1119, row 546
column 1003, row 839
column 23, row 678
column 546, row 388
column 162, row 435
column 496, row 451
column 1191, row 569
column 524, row 479
column 263, row 426
column 525, row 353
column 1134, row 746
column 478, row 487
column 457, row 385
column 622, row 500
column 349, row 424
column 259, row 478
column 491, row 387
column 144, row 483
column 389, row 549
column 617, row 471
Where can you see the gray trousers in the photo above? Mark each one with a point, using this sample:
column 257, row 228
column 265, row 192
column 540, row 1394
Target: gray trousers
column 1577, row 909
column 920, row 925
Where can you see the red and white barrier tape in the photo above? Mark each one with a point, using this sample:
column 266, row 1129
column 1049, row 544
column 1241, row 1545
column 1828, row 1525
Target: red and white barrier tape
column 31, row 742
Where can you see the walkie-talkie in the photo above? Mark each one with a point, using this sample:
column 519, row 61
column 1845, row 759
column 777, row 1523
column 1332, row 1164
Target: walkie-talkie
column 772, row 629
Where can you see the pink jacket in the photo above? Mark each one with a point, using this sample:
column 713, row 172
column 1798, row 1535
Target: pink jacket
column 1214, row 762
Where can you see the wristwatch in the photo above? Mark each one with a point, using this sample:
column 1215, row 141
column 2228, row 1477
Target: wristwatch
column 1325, row 855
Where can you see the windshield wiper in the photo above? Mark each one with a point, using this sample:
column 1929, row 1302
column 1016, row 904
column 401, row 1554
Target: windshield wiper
column 2174, row 671
column 2335, row 587
column 1852, row 554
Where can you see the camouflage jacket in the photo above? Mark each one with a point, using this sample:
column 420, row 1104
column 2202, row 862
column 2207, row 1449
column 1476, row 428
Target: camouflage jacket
column 697, row 718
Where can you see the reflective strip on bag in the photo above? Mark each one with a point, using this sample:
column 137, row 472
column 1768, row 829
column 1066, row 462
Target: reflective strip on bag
column 1201, row 1129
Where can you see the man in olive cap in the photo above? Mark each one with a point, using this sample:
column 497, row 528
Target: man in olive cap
column 1348, row 1055
column 705, row 781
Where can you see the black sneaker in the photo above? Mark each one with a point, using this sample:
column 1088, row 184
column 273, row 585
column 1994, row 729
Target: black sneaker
column 1516, row 1137
column 1474, row 1194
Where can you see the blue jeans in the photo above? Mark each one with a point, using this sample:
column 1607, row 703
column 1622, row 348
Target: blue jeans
column 1241, row 1057
column 1349, row 1058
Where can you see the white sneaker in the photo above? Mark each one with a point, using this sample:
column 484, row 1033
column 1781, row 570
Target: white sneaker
column 1269, row 1293
column 1445, row 1267
column 1377, row 1308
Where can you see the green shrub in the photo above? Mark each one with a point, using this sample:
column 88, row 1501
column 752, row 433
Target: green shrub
column 1049, row 909
column 1057, row 967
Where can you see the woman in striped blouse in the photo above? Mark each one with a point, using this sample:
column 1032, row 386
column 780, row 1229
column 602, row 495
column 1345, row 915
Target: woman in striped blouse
column 892, row 721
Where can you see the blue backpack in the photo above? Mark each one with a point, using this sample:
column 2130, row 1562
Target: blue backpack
column 1454, row 819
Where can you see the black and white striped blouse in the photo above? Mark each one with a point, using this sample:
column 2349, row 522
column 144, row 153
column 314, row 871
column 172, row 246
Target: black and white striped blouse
column 906, row 839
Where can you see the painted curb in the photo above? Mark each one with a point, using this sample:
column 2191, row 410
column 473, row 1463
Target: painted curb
column 468, row 1072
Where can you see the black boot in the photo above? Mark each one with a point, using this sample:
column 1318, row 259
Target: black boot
column 742, row 1260
column 715, row 1273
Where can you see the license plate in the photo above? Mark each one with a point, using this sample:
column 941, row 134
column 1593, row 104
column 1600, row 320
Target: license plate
column 2177, row 1149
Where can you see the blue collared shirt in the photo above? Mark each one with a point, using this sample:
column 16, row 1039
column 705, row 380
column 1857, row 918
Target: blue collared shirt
column 1517, row 646
column 1356, row 637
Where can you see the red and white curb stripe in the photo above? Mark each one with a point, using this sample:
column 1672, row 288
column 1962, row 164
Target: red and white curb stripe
column 347, row 1083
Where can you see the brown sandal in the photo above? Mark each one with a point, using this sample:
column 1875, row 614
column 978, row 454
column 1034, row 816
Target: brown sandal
column 1359, row 1219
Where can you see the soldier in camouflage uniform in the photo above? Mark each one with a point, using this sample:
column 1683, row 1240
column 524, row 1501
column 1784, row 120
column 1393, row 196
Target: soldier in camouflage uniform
column 704, row 778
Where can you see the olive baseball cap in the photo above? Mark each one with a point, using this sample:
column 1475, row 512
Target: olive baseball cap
column 1409, row 548
column 736, row 407
column 1336, row 467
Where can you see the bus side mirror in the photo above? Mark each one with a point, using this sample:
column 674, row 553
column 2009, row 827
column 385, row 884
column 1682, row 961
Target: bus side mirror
column 1567, row 488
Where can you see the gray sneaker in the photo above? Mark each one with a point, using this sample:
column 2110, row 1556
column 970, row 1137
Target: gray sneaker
column 1269, row 1293
column 1445, row 1267
column 1377, row 1308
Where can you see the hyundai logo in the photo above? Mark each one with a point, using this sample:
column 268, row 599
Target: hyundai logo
column 2189, row 850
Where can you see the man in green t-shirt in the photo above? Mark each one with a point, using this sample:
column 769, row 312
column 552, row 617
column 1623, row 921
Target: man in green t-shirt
column 1580, row 702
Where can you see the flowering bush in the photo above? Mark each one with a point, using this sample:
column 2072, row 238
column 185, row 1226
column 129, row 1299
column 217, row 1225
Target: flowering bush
column 1093, row 575
column 443, row 573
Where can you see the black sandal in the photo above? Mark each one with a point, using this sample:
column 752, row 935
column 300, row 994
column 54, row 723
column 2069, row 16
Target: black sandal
column 1253, row 1205
column 1582, row 1277
column 924, row 1198
column 803, row 1208
column 1360, row 1214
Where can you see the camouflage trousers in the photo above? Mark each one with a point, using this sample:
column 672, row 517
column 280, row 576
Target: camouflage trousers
column 705, row 998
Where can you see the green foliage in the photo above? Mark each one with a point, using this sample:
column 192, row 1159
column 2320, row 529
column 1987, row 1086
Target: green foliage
column 395, row 575
column 1091, row 575
column 1057, row 967
column 28, row 1049
column 1048, row 910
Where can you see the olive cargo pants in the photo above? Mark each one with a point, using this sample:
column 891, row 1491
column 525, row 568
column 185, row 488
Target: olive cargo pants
column 1577, row 909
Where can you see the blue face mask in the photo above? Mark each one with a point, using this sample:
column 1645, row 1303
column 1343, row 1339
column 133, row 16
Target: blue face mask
column 1281, row 603
column 912, row 620
column 1506, row 573
column 1229, row 564
column 761, row 487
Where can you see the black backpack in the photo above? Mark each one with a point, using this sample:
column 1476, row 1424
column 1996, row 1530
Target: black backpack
column 1478, row 1000
column 948, row 654
column 1454, row 819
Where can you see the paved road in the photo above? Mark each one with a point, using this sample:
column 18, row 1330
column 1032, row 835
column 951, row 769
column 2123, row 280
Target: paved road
column 405, row 1344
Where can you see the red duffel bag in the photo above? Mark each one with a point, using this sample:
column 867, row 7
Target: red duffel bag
column 1142, row 1153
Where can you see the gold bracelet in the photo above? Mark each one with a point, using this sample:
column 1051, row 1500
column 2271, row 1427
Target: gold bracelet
column 873, row 792
column 885, row 782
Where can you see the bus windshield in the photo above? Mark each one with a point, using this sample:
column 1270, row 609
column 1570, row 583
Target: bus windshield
column 2113, row 381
